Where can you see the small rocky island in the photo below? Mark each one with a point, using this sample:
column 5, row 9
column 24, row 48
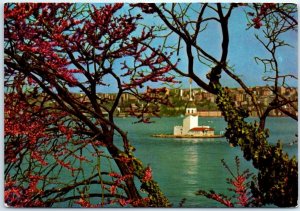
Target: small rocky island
column 190, row 128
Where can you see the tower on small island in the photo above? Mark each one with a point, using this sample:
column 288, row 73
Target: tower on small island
column 190, row 126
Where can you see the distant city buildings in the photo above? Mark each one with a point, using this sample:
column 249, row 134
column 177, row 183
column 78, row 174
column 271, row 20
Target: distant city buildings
column 241, row 99
column 204, row 102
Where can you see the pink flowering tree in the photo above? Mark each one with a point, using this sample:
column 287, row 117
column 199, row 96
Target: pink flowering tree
column 239, row 186
column 60, row 146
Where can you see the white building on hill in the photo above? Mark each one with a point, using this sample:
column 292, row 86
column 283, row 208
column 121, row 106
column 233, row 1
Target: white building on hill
column 190, row 126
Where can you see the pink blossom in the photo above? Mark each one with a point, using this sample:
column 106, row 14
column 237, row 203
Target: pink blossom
column 147, row 174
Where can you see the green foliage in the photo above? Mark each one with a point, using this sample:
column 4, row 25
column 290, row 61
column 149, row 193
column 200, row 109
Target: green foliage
column 278, row 174
column 179, row 105
column 206, row 105
column 171, row 111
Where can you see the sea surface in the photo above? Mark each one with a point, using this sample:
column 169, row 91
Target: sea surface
column 183, row 166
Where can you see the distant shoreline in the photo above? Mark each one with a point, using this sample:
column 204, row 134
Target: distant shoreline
column 126, row 116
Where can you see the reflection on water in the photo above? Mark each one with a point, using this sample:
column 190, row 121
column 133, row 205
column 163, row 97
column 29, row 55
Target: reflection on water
column 183, row 166
column 190, row 158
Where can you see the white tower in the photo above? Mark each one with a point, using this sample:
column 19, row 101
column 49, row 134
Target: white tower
column 189, row 122
column 191, row 111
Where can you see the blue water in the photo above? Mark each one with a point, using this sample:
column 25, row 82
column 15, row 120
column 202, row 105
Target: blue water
column 183, row 166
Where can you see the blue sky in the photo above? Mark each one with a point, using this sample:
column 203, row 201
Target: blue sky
column 243, row 48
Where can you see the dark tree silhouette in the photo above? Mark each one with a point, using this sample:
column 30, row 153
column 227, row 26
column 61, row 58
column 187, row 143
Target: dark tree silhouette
column 278, row 174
